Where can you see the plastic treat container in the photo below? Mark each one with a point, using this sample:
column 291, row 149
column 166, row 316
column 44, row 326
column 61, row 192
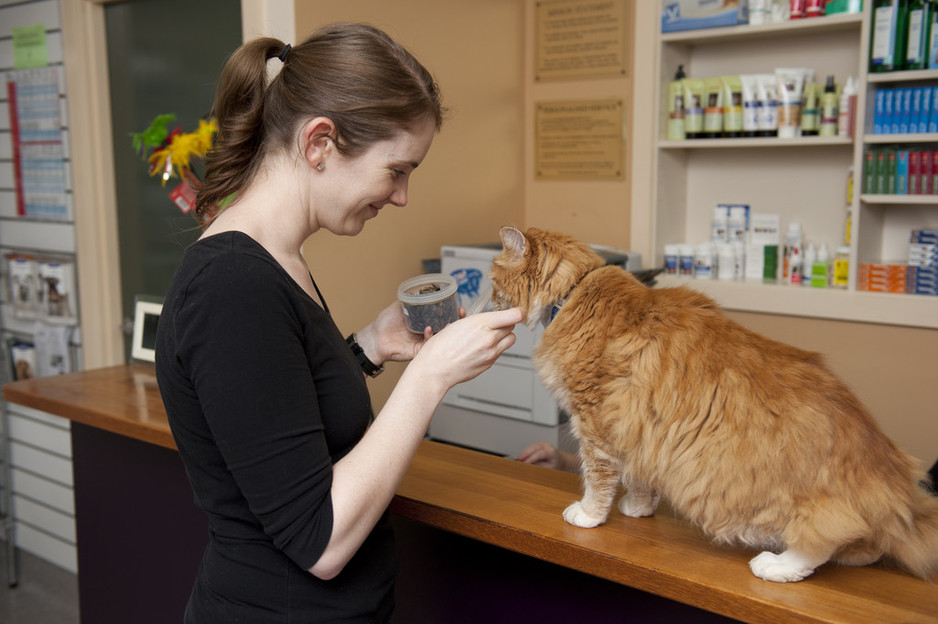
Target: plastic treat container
column 429, row 300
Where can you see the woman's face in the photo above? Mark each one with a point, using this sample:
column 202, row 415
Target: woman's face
column 360, row 186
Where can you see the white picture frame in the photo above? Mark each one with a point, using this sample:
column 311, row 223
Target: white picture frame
column 146, row 318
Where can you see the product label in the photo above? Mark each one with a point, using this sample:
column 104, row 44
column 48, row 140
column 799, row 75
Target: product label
column 914, row 49
column 883, row 31
column 841, row 271
column 819, row 274
column 768, row 115
column 751, row 115
column 693, row 114
column 933, row 49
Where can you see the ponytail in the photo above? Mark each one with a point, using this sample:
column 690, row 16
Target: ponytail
column 356, row 75
column 238, row 110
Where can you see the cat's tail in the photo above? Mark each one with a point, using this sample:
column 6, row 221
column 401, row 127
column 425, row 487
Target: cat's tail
column 915, row 543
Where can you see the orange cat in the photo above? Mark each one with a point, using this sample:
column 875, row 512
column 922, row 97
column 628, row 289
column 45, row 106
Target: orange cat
column 755, row 441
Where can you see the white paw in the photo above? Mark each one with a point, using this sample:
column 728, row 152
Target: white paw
column 779, row 568
column 577, row 516
column 638, row 506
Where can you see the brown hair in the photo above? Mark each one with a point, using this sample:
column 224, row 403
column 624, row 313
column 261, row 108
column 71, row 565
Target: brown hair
column 354, row 74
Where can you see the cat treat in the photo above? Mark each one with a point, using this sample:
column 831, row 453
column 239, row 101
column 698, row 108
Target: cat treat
column 755, row 441
column 429, row 301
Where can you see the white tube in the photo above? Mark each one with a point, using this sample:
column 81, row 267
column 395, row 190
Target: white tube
column 768, row 112
column 751, row 104
column 789, row 85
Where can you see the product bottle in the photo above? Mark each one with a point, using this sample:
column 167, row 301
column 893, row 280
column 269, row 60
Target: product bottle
column 829, row 109
column 932, row 52
column 795, row 267
column 676, row 130
column 810, row 113
column 841, row 268
column 713, row 107
column 726, row 262
column 919, row 25
column 887, row 41
column 848, row 221
column 847, row 108
column 672, row 255
column 814, row 8
column 719, row 226
column 793, row 241
column 693, row 107
column 820, row 268
column 686, row 260
column 807, row 264
column 736, row 230
column 704, row 263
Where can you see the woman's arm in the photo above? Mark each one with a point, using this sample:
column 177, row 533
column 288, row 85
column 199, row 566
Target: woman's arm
column 365, row 480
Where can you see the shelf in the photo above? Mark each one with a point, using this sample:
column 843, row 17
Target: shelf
column 928, row 137
column 808, row 141
column 909, row 75
column 899, row 199
column 835, row 305
column 817, row 25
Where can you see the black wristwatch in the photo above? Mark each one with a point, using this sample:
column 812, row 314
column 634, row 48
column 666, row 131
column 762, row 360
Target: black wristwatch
column 367, row 365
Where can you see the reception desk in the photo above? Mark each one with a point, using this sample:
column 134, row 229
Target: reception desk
column 481, row 536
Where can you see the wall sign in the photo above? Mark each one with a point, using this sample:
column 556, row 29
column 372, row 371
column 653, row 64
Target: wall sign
column 579, row 140
column 579, row 39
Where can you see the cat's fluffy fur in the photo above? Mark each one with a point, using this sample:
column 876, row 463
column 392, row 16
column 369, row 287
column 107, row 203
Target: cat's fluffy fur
column 755, row 441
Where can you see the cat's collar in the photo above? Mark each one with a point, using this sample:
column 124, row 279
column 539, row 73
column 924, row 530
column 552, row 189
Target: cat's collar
column 549, row 312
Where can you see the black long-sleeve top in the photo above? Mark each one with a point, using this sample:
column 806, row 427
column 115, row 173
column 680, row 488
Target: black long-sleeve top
column 263, row 396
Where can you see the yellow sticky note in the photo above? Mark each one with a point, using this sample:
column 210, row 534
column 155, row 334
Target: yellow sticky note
column 29, row 46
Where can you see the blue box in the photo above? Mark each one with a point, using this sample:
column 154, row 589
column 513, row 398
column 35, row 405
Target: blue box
column 889, row 99
column 915, row 116
column 933, row 118
column 904, row 111
column 926, row 106
column 879, row 111
column 693, row 14
column 902, row 172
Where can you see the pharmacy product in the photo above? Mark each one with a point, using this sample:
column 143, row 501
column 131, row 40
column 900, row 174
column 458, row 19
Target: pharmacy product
column 829, row 103
column 720, row 224
column 790, row 86
column 841, row 275
column 820, row 268
column 676, row 130
column 794, row 239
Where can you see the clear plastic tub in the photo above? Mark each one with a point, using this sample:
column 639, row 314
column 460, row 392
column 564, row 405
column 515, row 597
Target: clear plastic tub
column 429, row 300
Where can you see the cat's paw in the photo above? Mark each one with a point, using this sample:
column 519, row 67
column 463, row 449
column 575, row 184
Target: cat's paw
column 638, row 506
column 577, row 516
column 783, row 568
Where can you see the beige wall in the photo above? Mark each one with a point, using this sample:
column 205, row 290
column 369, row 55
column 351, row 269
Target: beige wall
column 478, row 177
column 596, row 212
column 478, row 173
column 472, row 180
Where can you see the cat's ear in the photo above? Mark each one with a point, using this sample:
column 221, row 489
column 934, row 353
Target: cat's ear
column 514, row 242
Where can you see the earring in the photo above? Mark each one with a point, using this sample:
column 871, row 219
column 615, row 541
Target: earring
column 320, row 166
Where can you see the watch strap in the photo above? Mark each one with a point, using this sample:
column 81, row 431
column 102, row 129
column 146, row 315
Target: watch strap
column 367, row 365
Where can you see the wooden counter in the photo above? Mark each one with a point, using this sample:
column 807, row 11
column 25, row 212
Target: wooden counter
column 518, row 507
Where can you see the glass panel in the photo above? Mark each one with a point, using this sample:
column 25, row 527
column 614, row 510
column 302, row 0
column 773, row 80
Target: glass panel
column 164, row 56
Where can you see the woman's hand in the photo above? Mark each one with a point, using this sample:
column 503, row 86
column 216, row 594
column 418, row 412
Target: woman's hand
column 547, row 455
column 464, row 349
column 387, row 338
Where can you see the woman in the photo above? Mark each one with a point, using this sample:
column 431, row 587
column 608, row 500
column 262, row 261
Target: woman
column 266, row 399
